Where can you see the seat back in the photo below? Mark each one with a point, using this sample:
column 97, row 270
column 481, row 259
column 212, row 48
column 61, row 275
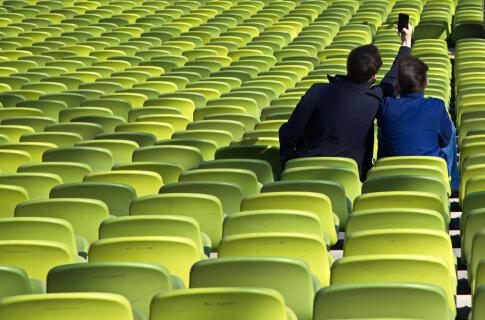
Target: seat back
column 85, row 215
column 176, row 253
column 44, row 229
column 37, row 185
column 153, row 226
column 290, row 277
column 138, row 282
column 402, row 199
column 395, row 269
column 34, row 256
column 381, row 300
column 346, row 177
column 309, row 248
column 116, row 196
column 204, row 303
column 303, row 201
column 335, row 191
column 14, row 282
column 75, row 306
column 205, row 209
column 229, row 194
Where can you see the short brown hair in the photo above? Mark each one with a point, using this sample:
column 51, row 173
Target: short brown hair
column 412, row 75
column 363, row 63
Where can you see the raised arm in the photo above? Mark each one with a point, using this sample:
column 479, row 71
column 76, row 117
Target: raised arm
column 388, row 84
column 293, row 130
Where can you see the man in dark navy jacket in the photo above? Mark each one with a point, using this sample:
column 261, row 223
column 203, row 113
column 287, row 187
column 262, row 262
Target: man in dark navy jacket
column 336, row 119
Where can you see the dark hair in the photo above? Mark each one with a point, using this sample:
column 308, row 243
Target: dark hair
column 411, row 75
column 363, row 63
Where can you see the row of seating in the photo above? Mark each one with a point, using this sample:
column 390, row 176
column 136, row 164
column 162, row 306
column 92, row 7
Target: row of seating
column 167, row 118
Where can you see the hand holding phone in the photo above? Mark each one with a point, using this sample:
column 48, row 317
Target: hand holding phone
column 402, row 22
column 405, row 29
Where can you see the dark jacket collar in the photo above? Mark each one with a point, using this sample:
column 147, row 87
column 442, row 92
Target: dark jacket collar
column 345, row 79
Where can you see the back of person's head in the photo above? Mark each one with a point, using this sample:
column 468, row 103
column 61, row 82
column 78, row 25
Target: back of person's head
column 363, row 63
column 412, row 75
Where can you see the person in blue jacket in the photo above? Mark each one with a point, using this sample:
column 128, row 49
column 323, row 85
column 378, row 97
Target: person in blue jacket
column 336, row 119
column 412, row 125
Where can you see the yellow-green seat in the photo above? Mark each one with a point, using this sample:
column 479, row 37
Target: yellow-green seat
column 159, row 130
column 393, row 268
column 34, row 256
column 202, row 302
column 154, row 226
column 11, row 160
column 206, row 210
column 178, row 122
column 144, row 182
column 245, row 179
column 11, row 196
column 85, row 215
column 434, row 243
column 15, row 132
column 15, row 282
column 407, row 183
column 306, row 247
column 290, row 277
column 187, row 157
column 348, row 178
column 75, row 306
column 68, row 171
column 98, row 159
column 60, row 139
column 37, row 185
column 318, row 204
column 115, row 195
column 131, row 280
column 176, row 253
column 39, row 229
column 381, row 300
column 34, row 149
column 122, row 150
column 395, row 218
column 86, row 130
column 37, row 123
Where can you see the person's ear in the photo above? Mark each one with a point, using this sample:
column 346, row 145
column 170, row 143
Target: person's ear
column 373, row 78
column 427, row 83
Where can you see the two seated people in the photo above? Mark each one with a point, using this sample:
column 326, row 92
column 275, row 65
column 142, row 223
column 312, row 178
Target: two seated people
column 336, row 119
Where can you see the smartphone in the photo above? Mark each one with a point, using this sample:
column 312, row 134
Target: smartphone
column 402, row 22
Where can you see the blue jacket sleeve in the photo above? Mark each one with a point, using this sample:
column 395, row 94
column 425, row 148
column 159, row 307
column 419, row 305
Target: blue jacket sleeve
column 293, row 130
column 446, row 128
column 387, row 87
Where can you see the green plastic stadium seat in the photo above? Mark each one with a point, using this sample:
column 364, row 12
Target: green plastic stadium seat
column 395, row 269
column 98, row 159
column 75, row 306
column 11, row 160
column 176, row 253
column 184, row 304
column 187, row 157
column 85, row 215
column 14, row 282
column 291, row 278
column 340, row 205
column 131, row 280
column 316, row 203
column 309, row 248
column 153, row 226
column 381, row 300
column 144, row 182
column 116, row 196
